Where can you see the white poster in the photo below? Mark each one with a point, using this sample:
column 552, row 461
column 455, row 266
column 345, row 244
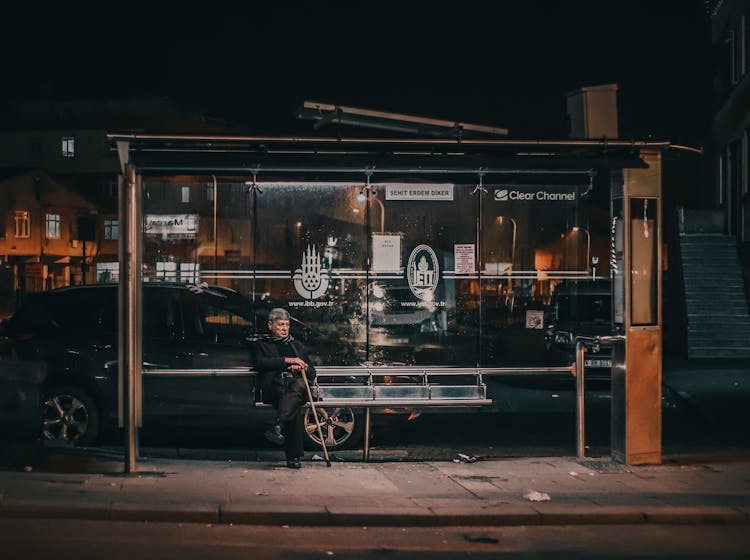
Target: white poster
column 386, row 253
column 463, row 255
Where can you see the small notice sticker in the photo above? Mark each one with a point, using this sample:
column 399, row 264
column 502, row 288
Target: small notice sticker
column 463, row 254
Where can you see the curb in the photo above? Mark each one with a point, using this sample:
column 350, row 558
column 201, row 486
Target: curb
column 352, row 516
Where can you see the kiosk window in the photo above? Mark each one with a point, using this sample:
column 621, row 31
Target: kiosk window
column 643, row 270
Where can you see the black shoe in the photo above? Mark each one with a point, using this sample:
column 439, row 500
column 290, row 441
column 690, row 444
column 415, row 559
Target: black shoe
column 293, row 463
column 274, row 435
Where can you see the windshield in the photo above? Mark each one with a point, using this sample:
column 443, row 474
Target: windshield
column 579, row 307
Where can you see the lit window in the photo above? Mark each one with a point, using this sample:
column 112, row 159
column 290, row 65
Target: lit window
column 53, row 226
column 185, row 194
column 111, row 229
column 190, row 273
column 166, row 271
column 68, row 146
column 23, row 223
column 107, row 272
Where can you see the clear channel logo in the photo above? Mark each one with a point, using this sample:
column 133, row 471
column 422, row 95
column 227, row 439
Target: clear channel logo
column 505, row 195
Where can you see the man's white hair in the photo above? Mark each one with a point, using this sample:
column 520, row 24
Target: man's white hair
column 278, row 313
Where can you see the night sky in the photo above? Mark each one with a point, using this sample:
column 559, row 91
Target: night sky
column 499, row 63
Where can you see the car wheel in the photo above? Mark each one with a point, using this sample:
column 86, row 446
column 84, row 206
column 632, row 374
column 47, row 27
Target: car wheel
column 342, row 427
column 69, row 415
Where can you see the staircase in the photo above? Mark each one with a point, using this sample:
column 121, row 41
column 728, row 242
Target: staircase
column 718, row 323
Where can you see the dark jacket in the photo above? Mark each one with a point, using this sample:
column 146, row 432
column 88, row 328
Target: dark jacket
column 268, row 359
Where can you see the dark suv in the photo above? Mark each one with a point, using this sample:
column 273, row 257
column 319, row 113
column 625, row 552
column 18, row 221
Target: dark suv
column 195, row 358
column 581, row 308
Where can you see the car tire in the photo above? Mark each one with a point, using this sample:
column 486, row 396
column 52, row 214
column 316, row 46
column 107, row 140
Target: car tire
column 69, row 415
column 342, row 427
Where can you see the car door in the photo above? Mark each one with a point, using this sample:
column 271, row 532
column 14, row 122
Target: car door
column 217, row 326
column 166, row 357
column 212, row 385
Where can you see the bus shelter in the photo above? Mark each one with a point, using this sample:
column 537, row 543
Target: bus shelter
column 401, row 253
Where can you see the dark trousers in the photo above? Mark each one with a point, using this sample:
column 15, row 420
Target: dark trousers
column 291, row 399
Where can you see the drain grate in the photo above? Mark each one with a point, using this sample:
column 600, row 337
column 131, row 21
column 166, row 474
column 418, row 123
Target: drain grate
column 605, row 467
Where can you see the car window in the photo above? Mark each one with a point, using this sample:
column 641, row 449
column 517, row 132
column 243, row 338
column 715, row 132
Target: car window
column 160, row 314
column 584, row 307
column 218, row 320
column 76, row 310
column 33, row 316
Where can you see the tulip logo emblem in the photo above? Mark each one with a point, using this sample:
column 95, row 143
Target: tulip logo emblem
column 311, row 280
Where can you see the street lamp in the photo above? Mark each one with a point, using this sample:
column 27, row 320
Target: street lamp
column 500, row 220
column 513, row 243
column 588, row 242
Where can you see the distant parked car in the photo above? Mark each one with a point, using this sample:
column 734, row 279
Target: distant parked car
column 195, row 359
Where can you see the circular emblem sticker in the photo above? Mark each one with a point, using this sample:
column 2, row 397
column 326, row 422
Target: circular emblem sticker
column 422, row 272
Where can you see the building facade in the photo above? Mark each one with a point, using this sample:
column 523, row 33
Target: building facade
column 730, row 142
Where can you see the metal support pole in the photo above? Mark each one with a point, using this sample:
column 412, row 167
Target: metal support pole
column 580, row 397
column 366, row 451
column 216, row 230
column 129, row 316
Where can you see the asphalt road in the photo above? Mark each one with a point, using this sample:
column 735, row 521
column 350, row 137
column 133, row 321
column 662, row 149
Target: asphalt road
column 84, row 540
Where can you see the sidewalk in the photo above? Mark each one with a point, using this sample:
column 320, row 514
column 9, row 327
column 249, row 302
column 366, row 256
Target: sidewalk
column 383, row 492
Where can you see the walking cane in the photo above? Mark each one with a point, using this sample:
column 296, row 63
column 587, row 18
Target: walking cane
column 315, row 415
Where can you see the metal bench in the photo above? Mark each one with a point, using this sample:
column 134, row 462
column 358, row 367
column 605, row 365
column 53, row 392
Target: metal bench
column 409, row 387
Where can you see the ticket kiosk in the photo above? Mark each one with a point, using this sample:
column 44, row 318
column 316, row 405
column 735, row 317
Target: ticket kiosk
column 636, row 284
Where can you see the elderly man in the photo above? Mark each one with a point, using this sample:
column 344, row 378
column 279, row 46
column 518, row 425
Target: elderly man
column 281, row 362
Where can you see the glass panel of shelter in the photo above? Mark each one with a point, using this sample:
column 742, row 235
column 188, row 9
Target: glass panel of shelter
column 390, row 274
column 533, row 238
column 311, row 259
column 423, row 293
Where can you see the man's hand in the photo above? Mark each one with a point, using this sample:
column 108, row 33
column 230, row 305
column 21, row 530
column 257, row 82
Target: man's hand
column 295, row 365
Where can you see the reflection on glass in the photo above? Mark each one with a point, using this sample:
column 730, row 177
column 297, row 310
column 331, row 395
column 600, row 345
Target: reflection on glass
column 643, row 261
column 395, row 298
column 579, row 229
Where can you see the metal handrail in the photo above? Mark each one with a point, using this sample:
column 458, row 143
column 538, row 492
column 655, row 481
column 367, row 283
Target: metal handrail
column 360, row 371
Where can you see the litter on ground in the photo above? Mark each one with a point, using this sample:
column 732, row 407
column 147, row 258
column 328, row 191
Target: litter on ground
column 463, row 458
column 534, row 496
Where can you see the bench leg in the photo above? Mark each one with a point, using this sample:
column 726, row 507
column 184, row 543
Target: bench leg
column 366, row 448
